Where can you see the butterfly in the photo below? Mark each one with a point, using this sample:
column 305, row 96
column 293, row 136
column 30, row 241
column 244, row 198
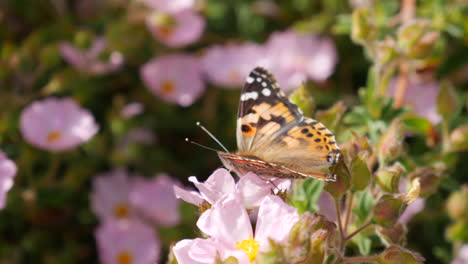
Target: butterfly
column 274, row 139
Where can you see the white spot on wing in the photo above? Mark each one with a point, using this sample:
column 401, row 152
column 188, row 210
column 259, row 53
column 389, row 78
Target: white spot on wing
column 259, row 79
column 250, row 95
column 264, row 84
column 249, row 79
column 266, row 92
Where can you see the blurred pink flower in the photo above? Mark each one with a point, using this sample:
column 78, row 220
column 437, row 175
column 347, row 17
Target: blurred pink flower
column 228, row 223
column 176, row 30
column 174, row 78
column 462, row 257
column 131, row 110
column 327, row 206
column 8, row 171
column 170, row 6
column 421, row 96
column 250, row 188
column 294, row 57
column 229, row 65
column 413, row 208
column 89, row 61
column 125, row 242
column 57, row 124
column 110, row 197
column 156, row 200
column 140, row 135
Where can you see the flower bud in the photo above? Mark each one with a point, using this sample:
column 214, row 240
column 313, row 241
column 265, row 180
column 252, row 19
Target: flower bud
column 447, row 102
column 458, row 231
column 388, row 178
column 303, row 99
column 362, row 29
column 457, row 206
column 388, row 210
column 343, row 180
column 204, row 206
column 413, row 192
column 416, row 40
column 353, row 147
column 386, row 50
column 306, row 241
column 274, row 256
column 459, row 138
column 318, row 243
column 331, row 117
column 396, row 255
column 393, row 235
column 391, row 143
column 360, row 174
column 429, row 178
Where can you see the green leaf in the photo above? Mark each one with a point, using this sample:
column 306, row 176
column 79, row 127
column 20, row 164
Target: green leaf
column 364, row 244
column 306, row 194
column 416, row 124
column 365, row 202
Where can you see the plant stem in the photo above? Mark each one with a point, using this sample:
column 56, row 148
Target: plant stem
column 348, row 211
column 357, row 231
column 340, row 226
column 360, row 259
column 53, row 168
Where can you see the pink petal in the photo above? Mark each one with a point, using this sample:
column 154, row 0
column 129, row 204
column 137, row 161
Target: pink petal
column 275, row 220
column 253, row 189
column 195, row 251
column 218, row 184
column 227, row 221
column 192, row 197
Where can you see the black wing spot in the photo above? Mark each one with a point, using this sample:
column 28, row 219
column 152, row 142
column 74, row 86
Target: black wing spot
column 304, row 130
column 317, row 140
column 328, row 147
column 332, row 142
column 322, row 128
column 313, row 123
column 310, row 135
column 319, row 133
column 329, row 135
column 245, row 128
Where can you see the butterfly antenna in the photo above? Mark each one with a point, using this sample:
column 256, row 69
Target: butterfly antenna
column 200, row 145
column 211, row 135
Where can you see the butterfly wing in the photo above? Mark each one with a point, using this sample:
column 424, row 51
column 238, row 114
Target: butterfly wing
column 272, row 128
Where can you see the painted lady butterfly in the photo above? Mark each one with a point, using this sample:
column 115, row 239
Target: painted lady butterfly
column 274, row 139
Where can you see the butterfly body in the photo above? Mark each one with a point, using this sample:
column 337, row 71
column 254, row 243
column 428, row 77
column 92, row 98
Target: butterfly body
column 274, row 139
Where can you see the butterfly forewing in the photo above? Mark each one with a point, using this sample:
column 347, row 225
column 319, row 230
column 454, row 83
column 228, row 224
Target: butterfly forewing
column 274, row 138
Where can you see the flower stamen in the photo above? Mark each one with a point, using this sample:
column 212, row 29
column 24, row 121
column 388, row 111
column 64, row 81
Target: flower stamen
column 250, row 247
column 168, row 87
column 124, row 258
column 121, row 210
column 53, row 136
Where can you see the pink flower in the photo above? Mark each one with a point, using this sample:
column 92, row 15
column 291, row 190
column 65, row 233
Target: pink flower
column 174, row 78
column 228, row 224
column 413, row 208
column 131, row 110
column 110, row 198
column 229, row 65
column 156, row 200
column 294, row 57
column 195, row 251
column 421, row 96
column 170, row 6
column 250, row 188
column 462, row 257
column 125, row 242
column 88, row 61
column 57, row 124
column 7, row 173
column 176, row 30
column 140, row 135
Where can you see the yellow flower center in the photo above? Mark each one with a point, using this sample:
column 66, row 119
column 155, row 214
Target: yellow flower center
column 250, row 247
column 165, row 32
column 121, row 210
column 168, row 87
column 53, row 136
column 124, row 258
